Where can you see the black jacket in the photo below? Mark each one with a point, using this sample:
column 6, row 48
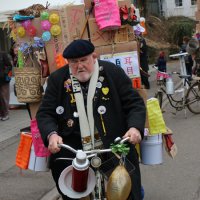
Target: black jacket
column 124, row 109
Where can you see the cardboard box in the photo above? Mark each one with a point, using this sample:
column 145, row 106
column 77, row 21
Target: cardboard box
column 123, row 3
column 124, row 34
column 88, row 7
column 143, row 94
column 127, row 59
column 117, row 48
column 72, row 22
column 99, row 38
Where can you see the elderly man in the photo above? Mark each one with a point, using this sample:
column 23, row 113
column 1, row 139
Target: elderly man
column 87, row 104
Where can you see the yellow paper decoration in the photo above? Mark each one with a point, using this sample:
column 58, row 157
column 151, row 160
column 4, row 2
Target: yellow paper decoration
column 55, row 30
column 155, row 117
column 21, row 31
column 54, row 18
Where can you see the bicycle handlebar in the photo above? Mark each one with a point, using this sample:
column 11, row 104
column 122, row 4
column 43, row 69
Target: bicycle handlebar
column 93, row 151
column 174, row 72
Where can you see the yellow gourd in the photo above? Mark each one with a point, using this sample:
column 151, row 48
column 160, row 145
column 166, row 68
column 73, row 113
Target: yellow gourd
column 119, row 184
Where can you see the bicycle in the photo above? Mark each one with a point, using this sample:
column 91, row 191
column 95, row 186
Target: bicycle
column 98, row 173
column 190, row 92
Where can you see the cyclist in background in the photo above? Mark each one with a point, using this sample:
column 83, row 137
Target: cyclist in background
column 187, row 58
column 87, row 104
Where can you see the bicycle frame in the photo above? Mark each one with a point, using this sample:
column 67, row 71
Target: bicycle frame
column 179, row 104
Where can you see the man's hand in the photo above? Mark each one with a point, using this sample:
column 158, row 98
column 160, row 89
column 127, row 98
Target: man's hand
column 134, row 135
column 54, row 140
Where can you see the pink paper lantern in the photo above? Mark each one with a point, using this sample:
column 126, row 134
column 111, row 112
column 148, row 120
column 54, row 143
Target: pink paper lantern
column 45, row 25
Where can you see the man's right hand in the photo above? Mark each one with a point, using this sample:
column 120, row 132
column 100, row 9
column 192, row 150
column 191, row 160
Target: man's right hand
column 54, row 140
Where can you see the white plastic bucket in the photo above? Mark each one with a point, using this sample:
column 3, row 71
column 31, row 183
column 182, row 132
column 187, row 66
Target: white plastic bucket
column 151, row 150
column 37, row 163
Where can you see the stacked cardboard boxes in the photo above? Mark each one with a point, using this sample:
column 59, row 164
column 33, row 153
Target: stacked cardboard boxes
column 77, row 21
column 118, row 46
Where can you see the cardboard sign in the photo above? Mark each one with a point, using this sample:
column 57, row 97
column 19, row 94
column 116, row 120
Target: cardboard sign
column 99, row 38
column 127, row 60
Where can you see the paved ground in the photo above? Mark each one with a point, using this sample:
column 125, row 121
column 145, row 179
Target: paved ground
column 16, row 184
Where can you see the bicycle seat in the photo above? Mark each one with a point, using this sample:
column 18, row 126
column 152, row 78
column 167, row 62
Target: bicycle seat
column 184, row 76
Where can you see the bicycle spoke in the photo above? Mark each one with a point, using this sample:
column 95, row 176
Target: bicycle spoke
column 193, row 98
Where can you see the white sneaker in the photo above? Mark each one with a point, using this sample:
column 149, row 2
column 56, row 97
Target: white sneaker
column 5, row 118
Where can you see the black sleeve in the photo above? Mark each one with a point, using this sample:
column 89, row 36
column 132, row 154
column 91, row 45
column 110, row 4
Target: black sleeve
column 133, row 105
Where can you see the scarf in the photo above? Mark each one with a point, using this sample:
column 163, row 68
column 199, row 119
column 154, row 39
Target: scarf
column 86, row 121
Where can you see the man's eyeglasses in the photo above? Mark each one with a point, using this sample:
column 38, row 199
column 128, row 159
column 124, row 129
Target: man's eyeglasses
column 76, row 62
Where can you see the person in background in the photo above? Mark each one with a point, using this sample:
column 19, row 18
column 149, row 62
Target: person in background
column 161, row 62
column 5, row 77
column 14, row 54
column 93, row 95
column 144, row 62
column 188, row 58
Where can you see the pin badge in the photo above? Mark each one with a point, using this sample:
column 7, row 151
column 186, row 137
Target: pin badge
column 100, row 68
column 99, row 84
column 105, row 90
column 75, row 114
column 101, row 110
column 101, row 78
column 59, row 110
column 70, row 123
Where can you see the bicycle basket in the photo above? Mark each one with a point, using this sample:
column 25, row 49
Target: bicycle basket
column 109, row 165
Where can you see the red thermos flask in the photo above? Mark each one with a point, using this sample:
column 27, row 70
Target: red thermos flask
column 80, row 172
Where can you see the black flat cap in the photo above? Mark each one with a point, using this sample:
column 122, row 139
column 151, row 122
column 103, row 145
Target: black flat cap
column 78, row 48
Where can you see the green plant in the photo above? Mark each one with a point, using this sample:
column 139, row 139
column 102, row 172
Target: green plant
column 179, row 27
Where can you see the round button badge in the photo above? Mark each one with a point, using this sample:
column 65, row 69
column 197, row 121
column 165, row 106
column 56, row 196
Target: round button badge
column 101, row 110
column 59, row 110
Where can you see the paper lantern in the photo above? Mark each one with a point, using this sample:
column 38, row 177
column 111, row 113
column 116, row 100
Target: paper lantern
column 54, row 18
column 55, row 30
column 46, row 36
column 31, row 31
column 45, row 25
column 44, row 15
column 21, row 31
column 26, row 24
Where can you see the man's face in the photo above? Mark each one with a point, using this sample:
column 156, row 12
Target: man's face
column 83, row 68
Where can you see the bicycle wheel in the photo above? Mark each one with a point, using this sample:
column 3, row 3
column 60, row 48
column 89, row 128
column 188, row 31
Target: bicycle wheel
column 159, row 96
column 193, row 98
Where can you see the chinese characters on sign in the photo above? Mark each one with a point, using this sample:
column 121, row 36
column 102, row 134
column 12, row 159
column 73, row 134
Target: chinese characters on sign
column 127, row 60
